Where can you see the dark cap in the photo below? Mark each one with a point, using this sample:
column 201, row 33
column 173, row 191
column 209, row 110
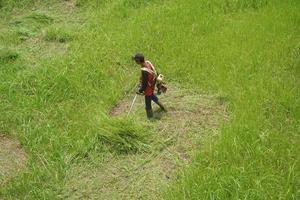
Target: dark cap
column 139, row 57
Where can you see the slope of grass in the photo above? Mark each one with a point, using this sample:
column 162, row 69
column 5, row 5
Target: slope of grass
column 247, row 51
column 251, row 57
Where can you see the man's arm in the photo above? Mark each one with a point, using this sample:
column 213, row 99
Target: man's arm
column 144, row 81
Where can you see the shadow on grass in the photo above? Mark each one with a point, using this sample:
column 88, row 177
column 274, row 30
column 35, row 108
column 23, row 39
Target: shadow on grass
column 158, row 114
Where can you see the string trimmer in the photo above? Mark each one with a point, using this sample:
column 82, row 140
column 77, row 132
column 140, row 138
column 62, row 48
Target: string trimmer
column 133, row 101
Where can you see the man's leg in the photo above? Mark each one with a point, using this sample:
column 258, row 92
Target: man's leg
column 155, row 99
column 148, row 107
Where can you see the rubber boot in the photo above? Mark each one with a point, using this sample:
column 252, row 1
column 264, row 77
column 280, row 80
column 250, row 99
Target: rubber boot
column 149, row 113
column 161, row 106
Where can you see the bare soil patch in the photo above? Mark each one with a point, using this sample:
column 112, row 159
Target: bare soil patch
column 12, row 157
column 141, row 176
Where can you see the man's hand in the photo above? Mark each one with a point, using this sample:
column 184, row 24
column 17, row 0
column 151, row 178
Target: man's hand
column 139, row 93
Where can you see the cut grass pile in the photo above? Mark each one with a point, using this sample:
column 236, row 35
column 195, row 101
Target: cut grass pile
column 29, row 25
column 123, row 135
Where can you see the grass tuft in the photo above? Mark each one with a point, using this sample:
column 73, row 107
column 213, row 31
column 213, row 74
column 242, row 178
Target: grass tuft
column 57, row 34
column 7, row 55
column 30, row 25
column 40, row 18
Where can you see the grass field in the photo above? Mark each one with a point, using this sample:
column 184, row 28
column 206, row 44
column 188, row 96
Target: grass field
column 65, row 64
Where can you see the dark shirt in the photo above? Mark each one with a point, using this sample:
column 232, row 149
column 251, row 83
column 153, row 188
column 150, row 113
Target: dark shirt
column 144, row 81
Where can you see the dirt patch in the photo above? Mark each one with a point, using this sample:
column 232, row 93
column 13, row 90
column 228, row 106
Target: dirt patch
column 122, row 107
column 141, row 176
column 12, row 157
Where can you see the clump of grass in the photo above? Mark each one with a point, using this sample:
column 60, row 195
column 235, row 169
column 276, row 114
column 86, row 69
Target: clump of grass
column 30, row 25
column 34, row 19
column 10, row 4
column 9, row 37
column 25, row 33
column 123, row 135
column 133, row 4
column 232, row 6
column 136, row 4
column 7, row 55
column 57, row 34
column 79, row 2
column 39, row 18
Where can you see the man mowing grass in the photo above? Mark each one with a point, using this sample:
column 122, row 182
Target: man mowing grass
column 147, row 84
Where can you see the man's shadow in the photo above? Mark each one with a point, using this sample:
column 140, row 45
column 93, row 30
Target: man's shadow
column 158, row 114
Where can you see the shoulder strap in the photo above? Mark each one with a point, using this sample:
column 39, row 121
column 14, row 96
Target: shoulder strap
column 153, row 71
column 147, row 70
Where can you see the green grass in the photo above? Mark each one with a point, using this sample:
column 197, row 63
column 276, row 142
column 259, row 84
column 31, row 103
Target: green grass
column 57, row 34
column 247, row 51
column 123, row 135
column 28, row 26
column 7, row 55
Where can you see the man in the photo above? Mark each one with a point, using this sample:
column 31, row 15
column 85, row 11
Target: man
column 147, row 84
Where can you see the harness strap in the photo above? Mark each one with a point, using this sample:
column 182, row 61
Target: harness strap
column 147, row 70
column 153, row 71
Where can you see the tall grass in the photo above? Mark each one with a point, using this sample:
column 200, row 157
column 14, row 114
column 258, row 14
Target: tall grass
column 251, row 57
column 245, row 50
